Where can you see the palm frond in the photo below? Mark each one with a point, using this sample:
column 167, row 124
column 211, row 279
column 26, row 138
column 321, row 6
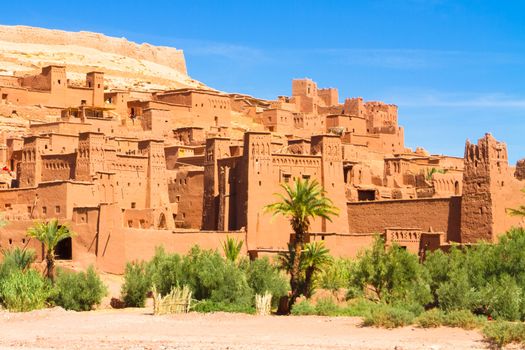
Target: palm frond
column 316, row 256
column 232, row 248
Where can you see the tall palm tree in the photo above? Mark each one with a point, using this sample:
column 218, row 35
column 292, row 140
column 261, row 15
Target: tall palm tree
column 315, row 258
column 50, row 233
column 301, row 203
column 520, row 211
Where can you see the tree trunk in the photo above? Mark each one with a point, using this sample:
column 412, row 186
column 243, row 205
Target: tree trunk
column 50, row 264
column 296, row 269
column 308, row 282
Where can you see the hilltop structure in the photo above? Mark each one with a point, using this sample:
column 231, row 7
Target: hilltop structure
column 130, row 170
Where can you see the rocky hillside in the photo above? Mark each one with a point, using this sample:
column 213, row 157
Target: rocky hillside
column 25, row 50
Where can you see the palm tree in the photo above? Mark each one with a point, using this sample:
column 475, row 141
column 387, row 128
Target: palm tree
column 315, row 258
column 430, row 173
column 232, row 249
column 50, row 233
column 301, row 203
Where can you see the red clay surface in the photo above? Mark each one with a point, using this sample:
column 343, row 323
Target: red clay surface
column 138, row 329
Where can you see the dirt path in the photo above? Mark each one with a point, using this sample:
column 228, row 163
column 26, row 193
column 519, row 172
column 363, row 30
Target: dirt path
column 137, row 329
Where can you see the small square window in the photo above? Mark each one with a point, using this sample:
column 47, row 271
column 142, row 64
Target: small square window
column 57, row 209
column 44, row 210
column 133, row 205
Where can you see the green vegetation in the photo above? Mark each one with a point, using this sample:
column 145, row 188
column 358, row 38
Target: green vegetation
column 18, row 258
column 314, row 259
column 387, row 316
column 387, row 286
column 232, row 249
column 216, row 283
column 303, row 202
column 389, row 275
column 79, row 291
column 263, row 276
column 430, row 173
column 336, row 275
column 501, row 333
column 50, row 233
column 137, row 284
column 24, row 290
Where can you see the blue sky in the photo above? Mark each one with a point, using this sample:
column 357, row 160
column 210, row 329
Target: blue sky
column 456, row 69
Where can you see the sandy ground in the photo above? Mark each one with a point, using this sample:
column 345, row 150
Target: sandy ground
column 138, row 329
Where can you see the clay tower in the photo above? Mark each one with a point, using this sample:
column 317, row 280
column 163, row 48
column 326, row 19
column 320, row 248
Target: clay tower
column 486, row 169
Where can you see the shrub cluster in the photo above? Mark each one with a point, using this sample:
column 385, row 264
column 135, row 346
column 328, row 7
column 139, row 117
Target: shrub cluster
column 501, row 333
column 482, row 279
column 216, row 283
column 464, row 287
column 78, row 291
column 455, row 318
column 486, row 279
column 24, row 289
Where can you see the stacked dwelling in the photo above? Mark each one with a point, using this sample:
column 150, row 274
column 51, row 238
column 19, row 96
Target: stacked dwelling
column 132, row 170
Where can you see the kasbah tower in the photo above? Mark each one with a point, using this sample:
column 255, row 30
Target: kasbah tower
column 130, row 169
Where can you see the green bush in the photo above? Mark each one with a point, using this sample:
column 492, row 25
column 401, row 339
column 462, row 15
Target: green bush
column 303, row 308
column 360, row 307
column 437, row 266
column 484, row 278
column 207, row 306
column 24, row 290
column 386, row 316
column 165, row 271
column 430, row 319
column 462, row 319
column 18, row 258
column 79, row 291
column 336, row 275
column 501, row 298
column 327, row 307
column 136, row 285
column 392, row 273
column 501, row 333
column 456, row 293
column 265, row 277
column 213, row 278
column 232, row 288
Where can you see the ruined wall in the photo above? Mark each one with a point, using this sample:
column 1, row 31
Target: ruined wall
column 489, row 189
column 442, row 214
